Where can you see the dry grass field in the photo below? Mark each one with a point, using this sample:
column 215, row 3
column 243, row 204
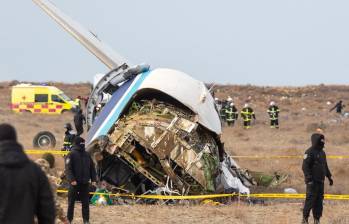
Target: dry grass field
column 289, row 213
column 303, row 110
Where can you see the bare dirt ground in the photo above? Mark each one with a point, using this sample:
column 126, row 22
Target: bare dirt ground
column 302, row 111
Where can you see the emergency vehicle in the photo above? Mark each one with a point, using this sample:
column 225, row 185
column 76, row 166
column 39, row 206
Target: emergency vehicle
column 40, row 99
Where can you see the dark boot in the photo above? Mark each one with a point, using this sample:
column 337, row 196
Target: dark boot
column 316, row 221
column 305, row 221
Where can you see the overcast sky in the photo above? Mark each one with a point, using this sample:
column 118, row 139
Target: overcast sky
column 261, row 42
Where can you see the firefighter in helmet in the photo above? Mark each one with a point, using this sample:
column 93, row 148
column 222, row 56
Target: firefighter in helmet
column 247, row 114
column 68, row 137
column 273, row 112
column 231, row 114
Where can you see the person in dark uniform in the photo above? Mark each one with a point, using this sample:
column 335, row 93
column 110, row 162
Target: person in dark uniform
column 222, row 113
column 231, row 114
column 247, row 114
column 273, row 112
column 339, row 107
column 68, row 137
column 80, row 170
column 25, row 190
column 315, row 170
column 79, row 121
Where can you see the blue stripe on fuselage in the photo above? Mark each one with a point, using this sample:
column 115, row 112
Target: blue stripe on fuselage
column 101, row 126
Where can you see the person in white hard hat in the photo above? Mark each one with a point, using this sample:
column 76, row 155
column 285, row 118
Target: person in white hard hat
column 247, row 114
column 231, row 114
column 273, row 112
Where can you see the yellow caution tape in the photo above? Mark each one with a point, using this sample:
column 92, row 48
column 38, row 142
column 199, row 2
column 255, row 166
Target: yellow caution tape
column 59, row 152
column 106, row 194
column 166, row 197
column 338, row 157
column 211, row 196
column 267, row 157
column 286, row 157
column 195, row 197
column 39, row 152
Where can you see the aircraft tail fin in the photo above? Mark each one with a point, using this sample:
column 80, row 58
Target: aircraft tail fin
column 88, row 39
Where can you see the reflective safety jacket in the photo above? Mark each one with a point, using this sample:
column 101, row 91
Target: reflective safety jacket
column 273, row 112
column 68, row 140
column 247, row 114
column 231, row 113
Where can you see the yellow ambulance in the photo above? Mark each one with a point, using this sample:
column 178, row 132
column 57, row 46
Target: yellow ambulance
column 40, row 99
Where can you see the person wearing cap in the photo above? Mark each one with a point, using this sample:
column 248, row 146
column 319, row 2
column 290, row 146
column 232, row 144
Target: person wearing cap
column 315, row 170
column 231, row 114
column 80, row 170
column 25, row 190
column 273, row 112
column 247, row 114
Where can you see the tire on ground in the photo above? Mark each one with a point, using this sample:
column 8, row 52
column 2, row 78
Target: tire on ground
column 44, row 140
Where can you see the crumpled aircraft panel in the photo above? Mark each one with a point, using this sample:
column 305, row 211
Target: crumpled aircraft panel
column 161, row 141
column 190, row 92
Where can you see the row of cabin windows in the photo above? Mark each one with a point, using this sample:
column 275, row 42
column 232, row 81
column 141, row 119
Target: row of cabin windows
column 43, row 98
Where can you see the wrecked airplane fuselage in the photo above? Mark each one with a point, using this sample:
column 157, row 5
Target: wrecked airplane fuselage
column 152, row 131
column 159, row 136
column 163, row 146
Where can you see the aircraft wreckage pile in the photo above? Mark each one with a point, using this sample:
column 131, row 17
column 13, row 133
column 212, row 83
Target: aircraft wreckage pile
column 159, row 147
column 158, row 130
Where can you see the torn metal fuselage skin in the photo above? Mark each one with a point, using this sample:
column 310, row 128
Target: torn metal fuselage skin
column 162, row 146
column 160, row 131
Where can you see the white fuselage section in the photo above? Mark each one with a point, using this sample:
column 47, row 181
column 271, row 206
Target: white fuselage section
column 187, row 90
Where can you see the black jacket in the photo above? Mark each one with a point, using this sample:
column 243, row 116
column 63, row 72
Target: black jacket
column 315, row 164
column 24, row 188
column 339, row 107
column 79, row 119
column 79, row 166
